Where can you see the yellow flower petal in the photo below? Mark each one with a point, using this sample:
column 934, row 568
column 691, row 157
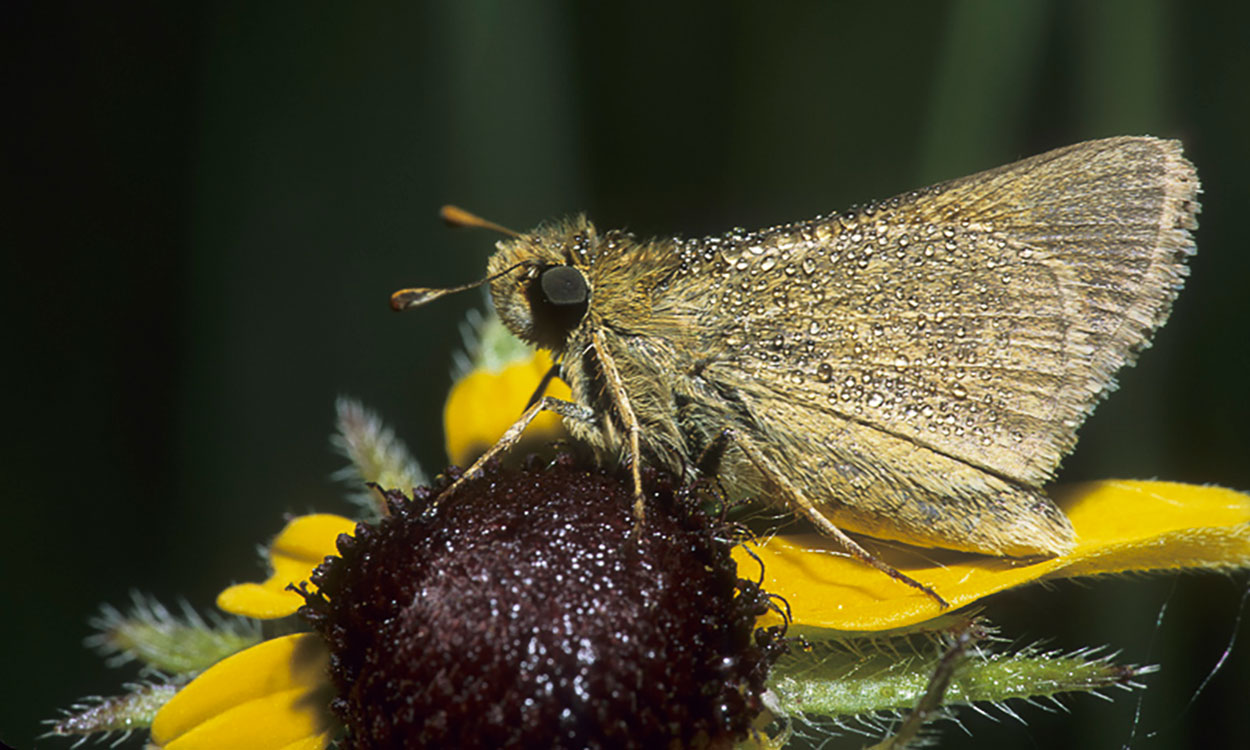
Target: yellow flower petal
column 1121, row 526
column 483, row 405
column 298, row 548
column 317, row 742
column 272, row 696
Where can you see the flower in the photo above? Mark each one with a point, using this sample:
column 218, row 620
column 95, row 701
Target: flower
column 292, row 691
column 1123, row 526
column 528, row 609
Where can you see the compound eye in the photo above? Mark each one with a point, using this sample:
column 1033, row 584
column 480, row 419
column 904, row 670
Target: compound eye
column 558, row 301
column 564, row 285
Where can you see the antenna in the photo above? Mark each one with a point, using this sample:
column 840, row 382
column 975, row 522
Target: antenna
column 458, row 217
column 406, row 299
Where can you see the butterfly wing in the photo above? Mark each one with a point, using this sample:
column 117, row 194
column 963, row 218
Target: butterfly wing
column 938, row 351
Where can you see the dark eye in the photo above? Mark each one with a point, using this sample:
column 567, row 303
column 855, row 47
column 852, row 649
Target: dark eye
column 564, row 285
column 558, row 301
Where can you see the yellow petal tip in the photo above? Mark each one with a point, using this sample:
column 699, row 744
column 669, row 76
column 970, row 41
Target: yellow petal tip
column 259, row 601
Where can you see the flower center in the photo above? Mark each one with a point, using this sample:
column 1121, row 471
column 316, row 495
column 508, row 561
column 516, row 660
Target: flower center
column 527, row 611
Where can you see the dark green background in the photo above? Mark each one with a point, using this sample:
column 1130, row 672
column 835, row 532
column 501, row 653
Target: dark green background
column 206, row 207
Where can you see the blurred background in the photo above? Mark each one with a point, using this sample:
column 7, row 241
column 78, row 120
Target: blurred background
column 206, row 207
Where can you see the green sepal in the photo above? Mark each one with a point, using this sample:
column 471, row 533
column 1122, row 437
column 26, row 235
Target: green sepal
column 862, row 678
column 376, row 455
column 168, row 643
column 113, row 717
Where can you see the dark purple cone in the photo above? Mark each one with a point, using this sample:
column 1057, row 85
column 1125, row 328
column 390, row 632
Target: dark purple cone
column 526, row 611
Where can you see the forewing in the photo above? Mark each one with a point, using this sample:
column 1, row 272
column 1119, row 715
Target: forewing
column 981, row 318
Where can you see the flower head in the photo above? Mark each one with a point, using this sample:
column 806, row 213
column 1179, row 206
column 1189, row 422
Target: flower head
column 531, row 610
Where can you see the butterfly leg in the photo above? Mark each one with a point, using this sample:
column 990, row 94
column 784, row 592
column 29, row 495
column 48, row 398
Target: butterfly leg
column 566, row 409
column 801, row 503
column 616, row 387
